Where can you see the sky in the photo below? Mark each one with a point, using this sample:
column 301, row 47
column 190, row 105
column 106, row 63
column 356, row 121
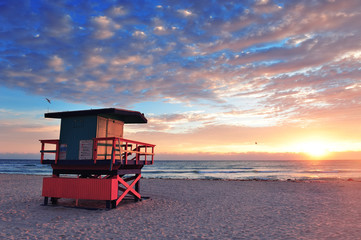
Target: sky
column 238, row 80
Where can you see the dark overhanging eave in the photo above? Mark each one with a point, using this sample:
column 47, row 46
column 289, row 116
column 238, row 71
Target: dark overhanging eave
column 127, row 116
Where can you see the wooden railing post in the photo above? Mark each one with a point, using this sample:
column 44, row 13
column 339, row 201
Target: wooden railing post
column 120, row 151
column 137, row 154
column 126, row 153
column 145, row 156
column 57, row 152
column 42, row 152
column 95, row 150
column 152, row 154
column 113, row 151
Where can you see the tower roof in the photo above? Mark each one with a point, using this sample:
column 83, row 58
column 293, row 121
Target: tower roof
column 126, row 116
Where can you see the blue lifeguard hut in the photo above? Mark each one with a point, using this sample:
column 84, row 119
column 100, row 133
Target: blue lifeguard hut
column 92, row 160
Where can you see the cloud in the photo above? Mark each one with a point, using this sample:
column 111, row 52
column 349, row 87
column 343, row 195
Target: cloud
column 141, row 60
column 274, row 59
column 139, row 34
column 105, row 27
column 185, row 12
column 95, row 60
column 249, row 156
column 56, row 63
column 117, row 11
column 160, row 30
column 21, row 131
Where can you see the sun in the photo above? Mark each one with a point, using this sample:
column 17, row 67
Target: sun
column 314, row 149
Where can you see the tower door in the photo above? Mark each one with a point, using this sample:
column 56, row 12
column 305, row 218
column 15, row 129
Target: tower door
column 108, row 128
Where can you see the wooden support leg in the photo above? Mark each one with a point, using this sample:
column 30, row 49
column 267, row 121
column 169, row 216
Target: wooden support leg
column 54, row 201
column 137, row 189
column 114, row 203
column 111, row 204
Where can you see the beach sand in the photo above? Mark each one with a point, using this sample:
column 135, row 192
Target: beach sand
column 188, row 209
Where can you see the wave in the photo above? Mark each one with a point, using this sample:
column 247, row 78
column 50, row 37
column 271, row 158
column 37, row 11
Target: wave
column 220, row 171
column 166, row 171
column 322, row 171
column 267, row 171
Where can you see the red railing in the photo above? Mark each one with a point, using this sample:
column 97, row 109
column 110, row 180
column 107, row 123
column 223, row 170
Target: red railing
column 43, row 151
column 112, row 148
column 126, row 150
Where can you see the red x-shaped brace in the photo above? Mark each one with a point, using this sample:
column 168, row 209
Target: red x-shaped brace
column 128, row 188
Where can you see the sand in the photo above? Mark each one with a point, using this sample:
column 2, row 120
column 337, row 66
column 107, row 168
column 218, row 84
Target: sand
column 188, row 209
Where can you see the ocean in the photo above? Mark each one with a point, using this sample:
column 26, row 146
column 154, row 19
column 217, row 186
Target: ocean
column 225, row 170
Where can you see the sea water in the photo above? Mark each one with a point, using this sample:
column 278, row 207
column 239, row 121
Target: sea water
column 256, row 170
column 226, row 170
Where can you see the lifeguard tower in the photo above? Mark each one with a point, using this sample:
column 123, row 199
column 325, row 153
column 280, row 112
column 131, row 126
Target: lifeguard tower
column 91, row 159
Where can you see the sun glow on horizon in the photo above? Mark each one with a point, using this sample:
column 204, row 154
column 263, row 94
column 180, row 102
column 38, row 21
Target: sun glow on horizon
column 315, row 149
